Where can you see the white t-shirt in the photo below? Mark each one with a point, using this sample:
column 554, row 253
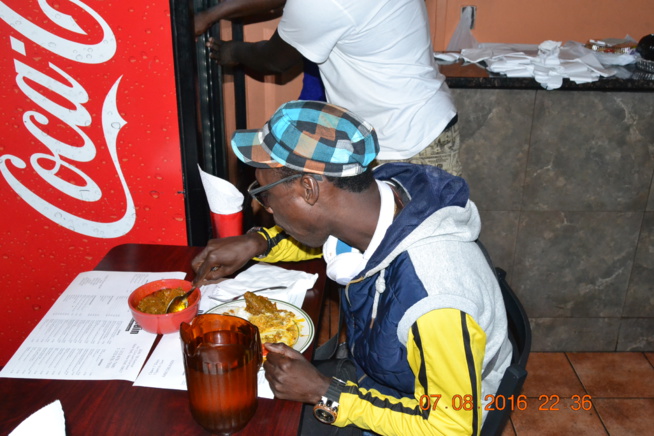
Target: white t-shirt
column 375, row 59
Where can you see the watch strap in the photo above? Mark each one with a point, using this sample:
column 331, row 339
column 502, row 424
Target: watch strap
column 271, row 241
column 336, row 387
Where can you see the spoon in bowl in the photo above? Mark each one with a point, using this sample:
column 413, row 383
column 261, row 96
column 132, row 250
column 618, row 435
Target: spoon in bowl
column 180, row 302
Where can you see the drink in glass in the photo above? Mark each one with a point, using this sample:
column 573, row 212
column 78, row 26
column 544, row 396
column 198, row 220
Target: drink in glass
column 222, row 356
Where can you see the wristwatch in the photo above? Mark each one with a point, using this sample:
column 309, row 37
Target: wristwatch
column 266, row 236
column 326, row 410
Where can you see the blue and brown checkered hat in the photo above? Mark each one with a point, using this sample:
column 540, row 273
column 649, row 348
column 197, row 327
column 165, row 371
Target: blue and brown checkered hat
column 311, row 137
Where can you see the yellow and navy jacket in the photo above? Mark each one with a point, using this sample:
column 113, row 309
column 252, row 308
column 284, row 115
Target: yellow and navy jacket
column 425, row 319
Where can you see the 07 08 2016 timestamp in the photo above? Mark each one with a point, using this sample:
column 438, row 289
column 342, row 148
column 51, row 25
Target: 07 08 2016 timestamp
column 512, row 402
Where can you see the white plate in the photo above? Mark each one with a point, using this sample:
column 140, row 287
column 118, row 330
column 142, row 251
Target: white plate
column 301, row 317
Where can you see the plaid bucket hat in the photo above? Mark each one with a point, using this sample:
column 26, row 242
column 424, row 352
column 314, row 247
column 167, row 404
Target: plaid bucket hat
column 312, row 137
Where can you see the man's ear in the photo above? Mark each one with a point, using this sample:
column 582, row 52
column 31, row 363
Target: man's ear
column 311, row 190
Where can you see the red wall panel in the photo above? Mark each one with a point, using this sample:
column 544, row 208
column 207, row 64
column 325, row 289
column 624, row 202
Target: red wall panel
column 89, row 144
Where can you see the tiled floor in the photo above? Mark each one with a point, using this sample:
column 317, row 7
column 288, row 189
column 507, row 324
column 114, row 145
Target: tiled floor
column 587, row 394
column 572, row 393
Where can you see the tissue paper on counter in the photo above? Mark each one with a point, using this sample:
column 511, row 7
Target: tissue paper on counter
column 548, row 63
column 223, row 197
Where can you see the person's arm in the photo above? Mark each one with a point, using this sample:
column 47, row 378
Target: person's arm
column 273, row 56
column 445, row 351
column 230, row 9
column 224, row 256
column 283, row 248
column 291, row 376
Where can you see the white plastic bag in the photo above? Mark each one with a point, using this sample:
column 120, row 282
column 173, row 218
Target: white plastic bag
column 462, row 37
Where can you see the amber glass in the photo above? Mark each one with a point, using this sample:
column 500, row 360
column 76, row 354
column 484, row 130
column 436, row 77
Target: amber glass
column 222, row 355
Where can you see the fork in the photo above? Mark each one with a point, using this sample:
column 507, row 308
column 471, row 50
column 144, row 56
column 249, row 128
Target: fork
column 269, row 288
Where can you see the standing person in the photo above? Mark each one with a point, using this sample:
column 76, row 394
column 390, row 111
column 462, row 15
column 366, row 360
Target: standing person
column 312, row 88
column 376, row 59
column 425, row 319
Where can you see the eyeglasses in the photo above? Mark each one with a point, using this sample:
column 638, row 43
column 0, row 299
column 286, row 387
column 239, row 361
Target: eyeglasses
column 259, row 192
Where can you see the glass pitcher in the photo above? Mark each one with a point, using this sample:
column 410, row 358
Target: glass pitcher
column 222, row 356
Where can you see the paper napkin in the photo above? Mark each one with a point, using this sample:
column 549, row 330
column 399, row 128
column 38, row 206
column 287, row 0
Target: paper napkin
column 222, row 196
column 263, row 275
column 49, row 420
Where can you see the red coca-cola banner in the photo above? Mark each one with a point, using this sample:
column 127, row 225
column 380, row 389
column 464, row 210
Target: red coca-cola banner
column 89, row 145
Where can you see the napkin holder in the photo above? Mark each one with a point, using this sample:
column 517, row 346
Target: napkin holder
column 226, row 225
column 225, row 205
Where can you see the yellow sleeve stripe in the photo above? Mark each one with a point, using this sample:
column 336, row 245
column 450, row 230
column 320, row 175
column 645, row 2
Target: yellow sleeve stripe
column 376, row 399
column 422, row 369
column 446, row 350
column 470, row 365
column 470, row 361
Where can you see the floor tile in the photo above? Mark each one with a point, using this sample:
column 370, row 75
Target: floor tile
column 556, row 420
column 508, row 430
column 614, row 375
column 650, row 357
column 551, row 374
column 626, row 417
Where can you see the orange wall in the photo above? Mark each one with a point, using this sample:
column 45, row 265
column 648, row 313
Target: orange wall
column 532, row 22
column 514, row 21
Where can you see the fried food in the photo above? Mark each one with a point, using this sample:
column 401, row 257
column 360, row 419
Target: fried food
column 257, row 305
column 275, row 325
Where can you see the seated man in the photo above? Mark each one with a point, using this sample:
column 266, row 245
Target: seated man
column 424, row 314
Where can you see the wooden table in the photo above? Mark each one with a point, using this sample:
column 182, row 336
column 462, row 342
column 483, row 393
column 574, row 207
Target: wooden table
column 116, row 407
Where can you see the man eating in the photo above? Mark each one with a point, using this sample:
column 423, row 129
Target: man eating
column 425, row 322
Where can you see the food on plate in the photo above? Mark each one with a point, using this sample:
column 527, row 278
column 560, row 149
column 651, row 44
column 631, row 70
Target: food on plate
column 157, row 302
column 275, row 325
column 258, row 305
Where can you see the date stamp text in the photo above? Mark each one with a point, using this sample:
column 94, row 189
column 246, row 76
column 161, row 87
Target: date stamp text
column 512, row 402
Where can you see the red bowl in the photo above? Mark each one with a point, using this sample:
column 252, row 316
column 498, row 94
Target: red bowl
column 169, row 322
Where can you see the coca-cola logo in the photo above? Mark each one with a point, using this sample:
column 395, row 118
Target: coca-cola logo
column 57, row 156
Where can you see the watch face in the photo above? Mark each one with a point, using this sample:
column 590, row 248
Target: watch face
column 324, row 415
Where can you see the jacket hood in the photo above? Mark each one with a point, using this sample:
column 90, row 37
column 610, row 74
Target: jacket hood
column 438, row 209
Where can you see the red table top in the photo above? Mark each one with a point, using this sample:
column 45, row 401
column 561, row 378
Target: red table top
column 116, row 407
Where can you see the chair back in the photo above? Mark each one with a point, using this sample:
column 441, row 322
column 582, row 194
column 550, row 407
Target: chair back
column 516, row 373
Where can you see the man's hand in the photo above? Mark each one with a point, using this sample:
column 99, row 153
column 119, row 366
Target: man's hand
column 292, row 377
column 229, row 9
column 273, row 56
column 223, row 52
column 224, row 256
column 202, row 22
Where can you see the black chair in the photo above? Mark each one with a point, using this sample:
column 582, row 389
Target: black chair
column 516, row 373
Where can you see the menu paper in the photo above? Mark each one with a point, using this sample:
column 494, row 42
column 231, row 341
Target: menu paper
column 89, row 332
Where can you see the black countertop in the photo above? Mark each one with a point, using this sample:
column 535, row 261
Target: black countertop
column 473, row 76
